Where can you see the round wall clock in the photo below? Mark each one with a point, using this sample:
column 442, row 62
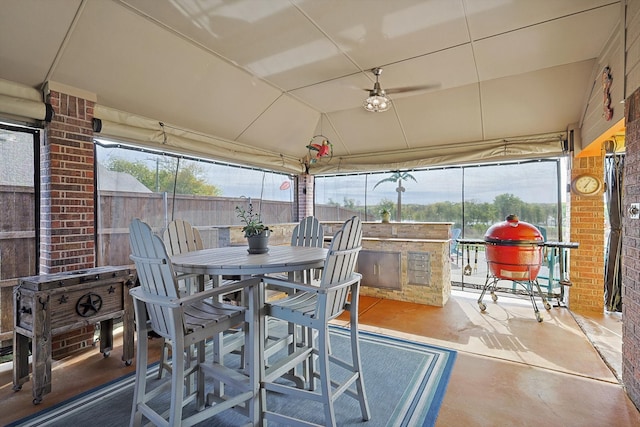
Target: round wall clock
column 586, row 185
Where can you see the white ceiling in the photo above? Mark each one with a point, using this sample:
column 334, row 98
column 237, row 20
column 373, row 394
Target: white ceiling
column 273, row 73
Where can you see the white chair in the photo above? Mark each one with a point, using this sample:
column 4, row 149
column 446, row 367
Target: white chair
column 186, row 321
column 308, row 232
column 313, row 307
column 180, row 237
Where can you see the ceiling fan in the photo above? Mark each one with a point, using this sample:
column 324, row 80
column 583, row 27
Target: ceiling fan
column 378, row 101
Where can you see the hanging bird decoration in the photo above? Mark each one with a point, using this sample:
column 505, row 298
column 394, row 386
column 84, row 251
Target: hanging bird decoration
column 317, row 151
column 324, row 149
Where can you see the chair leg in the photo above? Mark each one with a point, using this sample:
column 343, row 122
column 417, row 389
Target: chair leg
column 177, row 386
column 325, row 379
column 200, row 398
column 164, row 365
column 140, row 386
column 357, row 367
column 139, row 389
column 218, row 357
column 308, row 365
column 164, row 356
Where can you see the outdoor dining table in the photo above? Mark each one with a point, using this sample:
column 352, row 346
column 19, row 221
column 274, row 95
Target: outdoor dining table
column 236, row 261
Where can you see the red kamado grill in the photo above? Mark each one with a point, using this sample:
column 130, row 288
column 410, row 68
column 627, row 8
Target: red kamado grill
column 514, row 249
column 514, row 252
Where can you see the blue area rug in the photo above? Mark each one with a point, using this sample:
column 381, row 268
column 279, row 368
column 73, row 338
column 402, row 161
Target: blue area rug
column 405, row 383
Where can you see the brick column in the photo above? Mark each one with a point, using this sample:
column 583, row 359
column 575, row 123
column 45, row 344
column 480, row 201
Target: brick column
column 67, row 235
column 67, row 187
column 587, row 225
column 306, row 187
column 631, row 253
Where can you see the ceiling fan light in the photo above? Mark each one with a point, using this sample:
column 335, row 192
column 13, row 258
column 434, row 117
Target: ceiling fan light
column 377, row 103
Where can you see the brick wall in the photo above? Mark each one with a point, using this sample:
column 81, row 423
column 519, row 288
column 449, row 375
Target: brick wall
column 306, row 184
column 67, row 224
column 69, row 342
column 631, row 253
column 587, row 225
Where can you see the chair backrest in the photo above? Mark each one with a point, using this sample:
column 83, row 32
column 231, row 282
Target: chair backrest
column 543, row 233
column 155, row 273
column 181, row 237
column 339, row 266
column 308, row 232
column 455, row 234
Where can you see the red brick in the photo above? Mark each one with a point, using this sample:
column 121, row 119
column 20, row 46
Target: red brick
column 631, row 263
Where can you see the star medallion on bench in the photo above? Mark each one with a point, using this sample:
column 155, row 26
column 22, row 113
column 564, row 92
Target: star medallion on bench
column 89, row 304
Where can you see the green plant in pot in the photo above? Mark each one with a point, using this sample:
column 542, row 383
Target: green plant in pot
column 255, row 231
column 385, row 214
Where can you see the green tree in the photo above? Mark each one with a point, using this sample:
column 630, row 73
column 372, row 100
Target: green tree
column 507, row 204
column 479, row 213
column 190, row 178
column 397, row 177
column 349, row 203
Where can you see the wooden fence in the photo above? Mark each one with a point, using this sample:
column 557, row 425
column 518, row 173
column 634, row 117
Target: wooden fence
column 17, row 249
column 115, row 210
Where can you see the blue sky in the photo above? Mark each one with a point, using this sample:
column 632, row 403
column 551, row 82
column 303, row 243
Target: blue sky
column 533, row 182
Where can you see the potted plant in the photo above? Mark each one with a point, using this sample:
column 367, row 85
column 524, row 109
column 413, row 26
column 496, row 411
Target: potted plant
column 255, row 231
column 385, row 214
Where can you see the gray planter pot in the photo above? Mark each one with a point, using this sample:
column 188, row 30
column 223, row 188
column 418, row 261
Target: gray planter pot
column 259, row 243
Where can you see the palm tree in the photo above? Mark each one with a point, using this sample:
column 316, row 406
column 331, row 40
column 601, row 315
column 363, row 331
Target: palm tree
column 397, row 176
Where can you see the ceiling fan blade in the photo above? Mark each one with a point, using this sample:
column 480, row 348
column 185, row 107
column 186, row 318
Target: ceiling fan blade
column 411, row 88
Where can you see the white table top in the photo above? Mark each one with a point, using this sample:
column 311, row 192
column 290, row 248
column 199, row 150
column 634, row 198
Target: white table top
column 235, row 260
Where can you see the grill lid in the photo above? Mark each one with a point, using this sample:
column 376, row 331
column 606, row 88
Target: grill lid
column 513, row 232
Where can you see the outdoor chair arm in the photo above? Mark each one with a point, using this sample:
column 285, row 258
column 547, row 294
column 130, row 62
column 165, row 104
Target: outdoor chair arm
column 181, row 276
column 220, row 290
column 312, row 289
column 268, row 280
column 141, row 294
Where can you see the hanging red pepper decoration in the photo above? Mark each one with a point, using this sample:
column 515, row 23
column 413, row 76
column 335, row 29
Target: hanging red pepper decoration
column 607, row 112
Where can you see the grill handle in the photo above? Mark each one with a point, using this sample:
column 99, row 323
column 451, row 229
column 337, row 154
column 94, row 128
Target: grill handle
column 520, row 243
